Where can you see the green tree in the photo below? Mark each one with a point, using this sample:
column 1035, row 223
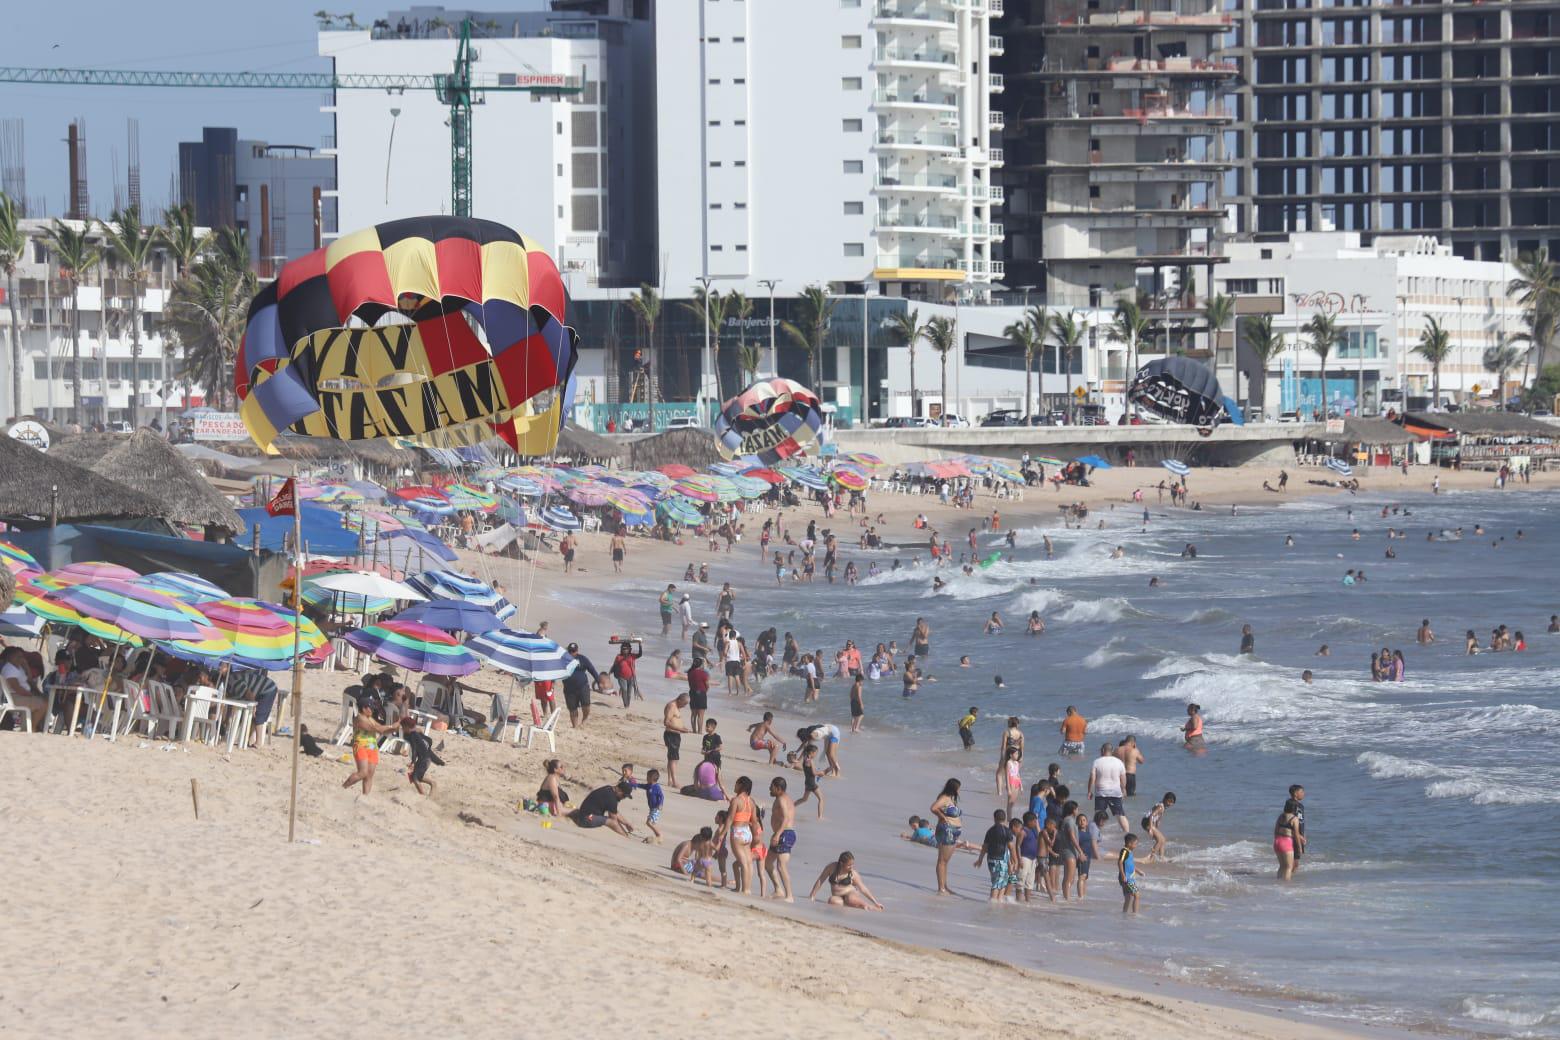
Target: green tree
column 942, row 336
column 905, row 328
column 13, row 248
column 208, row 310
column 1435, row 346
column 178, row 233
column 1500, row 360
column 1039, row 319
column 1069, row 332
column 738, row 306
column 1538, row 290
column 1324, row 334
column 817, row 311
column 1265, row 344
column 1129, row 326
column 645, row 305
column 1218, row 311
column 132, row 244
column 710, row 308
column 77, row 255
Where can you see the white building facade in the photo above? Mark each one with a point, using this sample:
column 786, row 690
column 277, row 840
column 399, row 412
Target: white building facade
column 1382, row 297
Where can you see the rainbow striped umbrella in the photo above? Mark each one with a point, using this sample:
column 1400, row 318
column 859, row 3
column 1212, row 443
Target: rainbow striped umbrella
column 262, row 633
column 679, row 510
column 191, row 588
column 32, row 599
column 699, row 487
column 340, row 493
column 414, row 646
column 1047, row 460
column 750, row 487
column 525, row 487
column 17, row 559
column 211, row 649
column 136, row 609
column 591, row 493
column 91, row 570
column 864, row 458
column 464, row 496
column 630, row 503
column 806, row 476
column 850, row 479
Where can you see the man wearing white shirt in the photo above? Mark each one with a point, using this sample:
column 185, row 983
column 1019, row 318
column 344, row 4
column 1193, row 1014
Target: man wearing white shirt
column 1107, row 781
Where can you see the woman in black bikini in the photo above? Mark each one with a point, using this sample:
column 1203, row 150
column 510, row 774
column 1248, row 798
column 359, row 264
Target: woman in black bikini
column 845, row 885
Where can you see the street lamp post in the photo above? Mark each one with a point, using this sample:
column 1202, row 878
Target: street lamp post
column 770, row 283
column 704, row 360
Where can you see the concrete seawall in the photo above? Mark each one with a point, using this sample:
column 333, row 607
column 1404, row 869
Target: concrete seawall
column 1266, row 443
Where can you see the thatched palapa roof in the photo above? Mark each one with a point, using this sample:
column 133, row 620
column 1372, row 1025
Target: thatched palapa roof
column 147, row 462
column 1375, row 431
column 28, row 478
column 585, row 444
column 1485, row 424
column 690, row 447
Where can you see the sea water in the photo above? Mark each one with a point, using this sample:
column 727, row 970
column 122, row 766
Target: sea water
column 1427, row 899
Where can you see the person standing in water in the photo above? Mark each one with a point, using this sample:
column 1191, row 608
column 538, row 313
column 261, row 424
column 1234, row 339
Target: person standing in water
column 1073, row 729
column 1287, row 840
column 1193, row 729
column 1248, row 641
column 1131, row 758
column 945, row 810
column 921, row 638
column 1012, row 739
column 1424, row 637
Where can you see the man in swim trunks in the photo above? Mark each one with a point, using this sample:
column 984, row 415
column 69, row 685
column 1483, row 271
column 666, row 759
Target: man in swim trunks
column 921, row 638
column 698, row 692
column 1107, row 778
column 577, row 684
column 1073, row 729
column 967, row 728
column 762, row 737
column 782, row 842
column 672, row 730
column 1131, row 758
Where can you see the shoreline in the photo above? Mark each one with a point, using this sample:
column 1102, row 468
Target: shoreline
column 519, row 915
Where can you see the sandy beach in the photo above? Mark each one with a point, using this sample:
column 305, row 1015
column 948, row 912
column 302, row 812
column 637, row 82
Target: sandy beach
column 458, row 908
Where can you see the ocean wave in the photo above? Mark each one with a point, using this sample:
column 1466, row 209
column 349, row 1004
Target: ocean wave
column 1044, row 600
column 1505, row 1016
column 1481, row 786
column 1214, row 881
column 1115, row 652
column 1208, row 616
column 1111, row 608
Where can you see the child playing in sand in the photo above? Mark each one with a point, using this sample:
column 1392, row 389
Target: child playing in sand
column 366, row 731
column 719, row 843
column 420, row 748
column 694, row 858
column 655, row 798
column 920, row 832
column 1127, row 875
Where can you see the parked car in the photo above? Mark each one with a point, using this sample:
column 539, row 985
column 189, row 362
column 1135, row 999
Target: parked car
column 1003, row 417
column 683, row 422
column 905, row 422
column 953, row 421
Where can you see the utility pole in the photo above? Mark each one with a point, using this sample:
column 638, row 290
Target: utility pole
column 770, row 283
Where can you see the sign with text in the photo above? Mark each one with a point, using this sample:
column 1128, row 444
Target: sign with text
column 220, row 426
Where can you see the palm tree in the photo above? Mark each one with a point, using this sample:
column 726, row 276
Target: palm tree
column 817, row 308
column 1218, row 309
column 178, row 233
column 943, row 337
column 645, row 305
column 1501, row 360
column 1039, row 319
column 710, row 308
column 905, row 328
column 13, row 247
column 1324, row 333
column 740, row 307
column 132, row 244
column 1023, row 333
column 1069, row 333
column 208, row 310
column 1266, row 345
column 1538, row 290
column 1129, row 326
column 1435, row 346
column 78, row 255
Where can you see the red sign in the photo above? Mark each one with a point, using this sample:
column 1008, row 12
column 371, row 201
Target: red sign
column 286, row 501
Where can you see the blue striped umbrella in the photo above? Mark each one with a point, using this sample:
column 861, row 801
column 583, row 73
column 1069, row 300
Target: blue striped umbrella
column 806, row 476
column 679, row 510
column 560, row 518
column 191, row 588
column 452, row 615
column 522, row 486
column 1177, row 467
column 20, row 622
column 453, row 585
column 750, row 487
column 523, row 654
column 1338, row 466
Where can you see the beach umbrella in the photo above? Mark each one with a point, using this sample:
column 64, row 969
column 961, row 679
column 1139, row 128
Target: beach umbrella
column 428, row 542
column 418, row 648
column 806, row 476
column 1046, row 460
column 373, row 519
column 524, row 655
column 451, row 615
column 512, row 512
column 590, row 493
column 849, row 479
column 191, row 588
column 865, row 458
column 17, row 559
column 1002, row 471
column 559, row 518
column 412, row 491
column 33, row 600
column 677, row 470
column 679, row 510
column 1095, row 461
column 18, row 621
column 653, row 477
column 725, row 469
column 629, row 503
column 210, row 649
column 768, row 476
column 261, row 632
column 367, row 583
column 368, row 489
column 136, row 609
column 432, row 506
column 452, row 585
column 750, row 487
column 464, row 496
column 699, row 487
column 491, row 473
column 1338, row 466
column 90, row 570
column 522, row 486
column 1176, row 466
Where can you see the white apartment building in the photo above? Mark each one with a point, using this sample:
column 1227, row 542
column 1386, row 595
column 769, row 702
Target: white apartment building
column 539, row 162
column 832, row 142
column 44, row 303
column 1382, row 296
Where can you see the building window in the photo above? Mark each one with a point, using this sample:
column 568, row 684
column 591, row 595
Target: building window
column 1267, row 254
column 851, row 83
column 855, row 249
column 1094, row 191
column 851, row 43
column 742, row 249
column 740, row 162
column 854, row 209
column 714, row 122
column 714, row 205
column 851, row 126
column 739, row 205
column 714, row 162
column 853, row 166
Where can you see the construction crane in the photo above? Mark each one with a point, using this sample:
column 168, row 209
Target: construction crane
column 459, row 89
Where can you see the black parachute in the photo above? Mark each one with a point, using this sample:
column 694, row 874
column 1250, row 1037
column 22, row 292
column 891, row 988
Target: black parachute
column 1181, row 390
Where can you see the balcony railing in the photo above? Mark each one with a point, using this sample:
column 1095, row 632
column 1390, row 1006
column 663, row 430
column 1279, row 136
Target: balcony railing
column 996, row 268
column 996, row 120
column 994, row 82
column 922, row 57
column 917, row 139
column 934, row 181
column 916, row 13
column 924, row 261
column 934, row 223
column 995, row 156
column 892, row 96
column 994, row 44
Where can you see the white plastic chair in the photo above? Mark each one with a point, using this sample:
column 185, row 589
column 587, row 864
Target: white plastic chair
column 546, row 729
column 202, row 712
column 7, row 707
column 163, row 711
column 344, row 727
column 344, row 654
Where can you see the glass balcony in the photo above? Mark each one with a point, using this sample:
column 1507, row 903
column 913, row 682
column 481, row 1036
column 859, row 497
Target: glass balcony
column 911, row 182
column 935, row 98
column 909, row 56
column 895, row 138
column 915, row 13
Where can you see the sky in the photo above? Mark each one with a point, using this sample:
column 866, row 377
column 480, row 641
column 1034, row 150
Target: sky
column 227, row 35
